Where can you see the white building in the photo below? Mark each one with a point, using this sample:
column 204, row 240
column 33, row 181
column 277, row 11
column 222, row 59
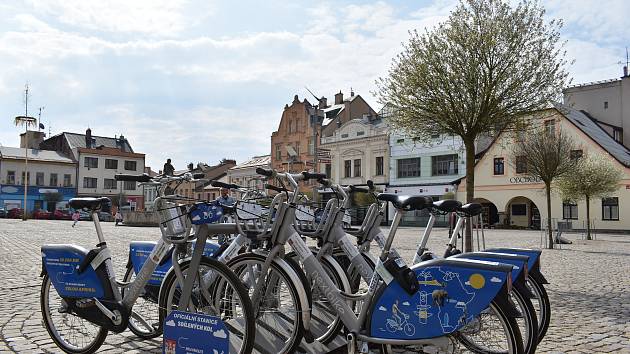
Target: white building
column 244, row 174
column 50, row 179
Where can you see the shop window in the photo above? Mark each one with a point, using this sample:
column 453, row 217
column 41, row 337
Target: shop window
column 576, row 154
column 347, row 168
column 409, row 167
column 357, row 168
column 569, row 210
column 111, row 164
column 610, row 208
column 444, row 165
column 519, row 209
column 521, row 164
column 53, row 180
column 499, row 166
column 89, row 182
column 91, row 162
column 379, row 166
column 10, row 177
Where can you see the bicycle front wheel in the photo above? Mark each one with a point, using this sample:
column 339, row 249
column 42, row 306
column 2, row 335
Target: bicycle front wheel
column 70, row 332
column 225, row 297
column 145, row 319
column 541, row 305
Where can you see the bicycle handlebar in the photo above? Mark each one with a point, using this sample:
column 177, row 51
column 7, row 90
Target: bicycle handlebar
column 133, row 178
column 224, row 185
column 358, row 189
column 265, row 172
column 309, row 175
column 274, row 188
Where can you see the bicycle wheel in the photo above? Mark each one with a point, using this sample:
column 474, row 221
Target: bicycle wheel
column 541, row 305
column 70, row 332
column 357, row 283
column 225, row 298
column 325, row 322
column 528, row 323
column 279, row 325
column 145, row 319
column 492, row 331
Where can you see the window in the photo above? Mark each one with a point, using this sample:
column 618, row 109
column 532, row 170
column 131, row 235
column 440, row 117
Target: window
column 111, row 164
column 89, row 182
column 328, row 170
column 521, row 164
column 130, row 165
column 379, row 166
column 91, row 162
column 605, row 104
column 343, row 136
column 409, row 167
column 347, row 168
column 550, row 127
column 519, row 209
column 499, row 166
column 278, row 152
column 53, row 180
column 39, row 178
column 360, row 133
column 569, row 210
column 400, row 141
column 110, row 184
column 297, row 147
column 10, row 177
column 357, row 168
column 575, row 154
column 28, row 178
column 444, row 165
column 610, row 208
column 618, row 136
column 311, row 149
column 130, row 185
column 67, row 180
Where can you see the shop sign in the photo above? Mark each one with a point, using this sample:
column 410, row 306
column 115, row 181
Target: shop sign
column 525, row 180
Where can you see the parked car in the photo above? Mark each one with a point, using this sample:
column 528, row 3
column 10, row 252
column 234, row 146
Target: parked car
column 42, row 214
column 84, row 215
column 105, row 216
column 3, row 213
column 61, row 214
column 15, row 213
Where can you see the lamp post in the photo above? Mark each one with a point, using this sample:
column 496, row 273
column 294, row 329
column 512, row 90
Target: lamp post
column 26, row 121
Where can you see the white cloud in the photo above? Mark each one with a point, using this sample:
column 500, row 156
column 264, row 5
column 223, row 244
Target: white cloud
column 170, row 323
column 220, row 334
column 495, row 280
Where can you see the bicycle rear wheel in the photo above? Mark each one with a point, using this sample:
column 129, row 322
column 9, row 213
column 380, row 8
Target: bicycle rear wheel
column 225, row 298
column 71, row 333
column 541, row 305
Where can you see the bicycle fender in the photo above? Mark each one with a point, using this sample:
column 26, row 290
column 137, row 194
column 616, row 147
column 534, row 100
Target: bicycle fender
column 304, row 295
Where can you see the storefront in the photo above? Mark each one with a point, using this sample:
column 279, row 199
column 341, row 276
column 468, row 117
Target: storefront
column 512, row 198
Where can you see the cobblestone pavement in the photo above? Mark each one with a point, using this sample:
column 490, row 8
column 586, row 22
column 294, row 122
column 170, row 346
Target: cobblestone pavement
column 589, row 290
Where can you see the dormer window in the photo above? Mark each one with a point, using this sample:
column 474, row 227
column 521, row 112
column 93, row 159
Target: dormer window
column 343, row 136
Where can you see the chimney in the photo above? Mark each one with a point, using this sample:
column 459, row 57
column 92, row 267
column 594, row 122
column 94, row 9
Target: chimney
column 323, row 103
column 625, row 71
column 339, row 98
column 34, row 139
column 88, row 138
column 351, row 92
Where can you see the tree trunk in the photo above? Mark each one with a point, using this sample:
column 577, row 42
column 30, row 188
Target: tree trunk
column 470, row 188
column 549, row 230
column 588, row 218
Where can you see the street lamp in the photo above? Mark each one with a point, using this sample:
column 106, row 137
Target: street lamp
column 26, row 122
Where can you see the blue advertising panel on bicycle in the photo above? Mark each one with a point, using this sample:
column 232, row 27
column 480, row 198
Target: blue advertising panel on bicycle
column 206, row 213
column 186, row 332
column 62, row 265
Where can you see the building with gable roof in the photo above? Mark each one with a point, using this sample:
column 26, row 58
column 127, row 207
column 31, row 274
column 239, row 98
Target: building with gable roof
column 511, row 197
column 244, row 174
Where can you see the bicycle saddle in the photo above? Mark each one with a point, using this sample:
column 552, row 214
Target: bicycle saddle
column 88, row 203
column 471, row 209
column 447, row 205
column 415, row 202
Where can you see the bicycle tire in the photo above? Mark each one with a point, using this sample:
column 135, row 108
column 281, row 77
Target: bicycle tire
column 530, row 325
column 53, row 330
column 170, row 285
column 544, row 312
column 295, row 337
column 155, row 331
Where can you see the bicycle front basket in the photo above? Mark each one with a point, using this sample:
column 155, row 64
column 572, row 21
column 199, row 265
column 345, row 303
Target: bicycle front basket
column 173, row 220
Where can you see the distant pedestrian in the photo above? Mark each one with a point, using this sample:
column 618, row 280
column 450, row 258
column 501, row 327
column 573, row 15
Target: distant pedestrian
column 118, row 217
column 75, row 217
column 168, row 169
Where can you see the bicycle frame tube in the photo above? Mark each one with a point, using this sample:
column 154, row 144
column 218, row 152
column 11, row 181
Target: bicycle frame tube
column 142, row 278
column 425, row 238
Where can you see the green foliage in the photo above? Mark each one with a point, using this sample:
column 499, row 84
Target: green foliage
column 595, row 176
column 448, row 195
column 362, row 199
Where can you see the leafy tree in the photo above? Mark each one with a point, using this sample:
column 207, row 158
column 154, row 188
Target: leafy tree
column 594, row 177
column 548, row 157
column 448, row 195
column 119, row 200
column 474, row 74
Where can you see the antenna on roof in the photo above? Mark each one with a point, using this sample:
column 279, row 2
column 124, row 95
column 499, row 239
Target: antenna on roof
column 39, row 119
column 309, row 91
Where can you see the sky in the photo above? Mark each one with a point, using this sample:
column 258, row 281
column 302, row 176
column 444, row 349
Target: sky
column 198, row 81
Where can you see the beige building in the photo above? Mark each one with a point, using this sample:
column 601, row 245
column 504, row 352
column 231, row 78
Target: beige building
column 511, row 197
column 359, row 151
column 244, row 174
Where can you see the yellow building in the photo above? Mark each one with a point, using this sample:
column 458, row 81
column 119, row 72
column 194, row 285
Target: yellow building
column 512, row 197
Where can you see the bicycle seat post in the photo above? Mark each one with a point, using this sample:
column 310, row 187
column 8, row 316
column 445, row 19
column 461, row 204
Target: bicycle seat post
column 99, row 230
